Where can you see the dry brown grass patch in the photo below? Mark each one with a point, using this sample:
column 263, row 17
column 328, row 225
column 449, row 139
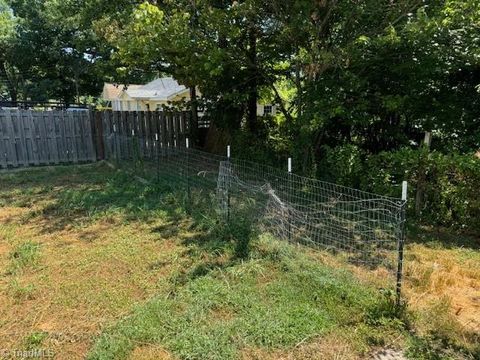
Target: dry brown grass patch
column 329, row 347
column 150, row 352
column 435, row 275
column 87, row 277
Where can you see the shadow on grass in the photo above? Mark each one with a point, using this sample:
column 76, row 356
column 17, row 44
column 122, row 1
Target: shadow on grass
column 79, row 198
column 442, row 238
column 118, row 195
column 66, row 197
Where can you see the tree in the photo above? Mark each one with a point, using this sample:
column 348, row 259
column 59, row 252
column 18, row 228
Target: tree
column 8, row 37
column 66, row 59
column 374, row 73
column 231, row 51
column 385, row 74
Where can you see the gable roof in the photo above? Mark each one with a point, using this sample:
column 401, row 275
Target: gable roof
column 113, row 91
column 158, row 89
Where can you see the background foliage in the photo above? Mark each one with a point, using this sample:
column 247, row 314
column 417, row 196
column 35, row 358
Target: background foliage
column 357, row 84
column 449, row 182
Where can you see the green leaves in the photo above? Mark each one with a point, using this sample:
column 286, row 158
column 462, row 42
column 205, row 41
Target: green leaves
column 376, row 73
column 7, row 24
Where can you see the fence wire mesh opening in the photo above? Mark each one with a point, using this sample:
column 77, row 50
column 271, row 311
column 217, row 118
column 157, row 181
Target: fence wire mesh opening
column 364, row 228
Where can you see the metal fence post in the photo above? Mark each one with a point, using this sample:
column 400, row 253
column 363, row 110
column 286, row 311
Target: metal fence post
column 289, row 225
column 401, row 242
column 228, row 183
column 114, row 147
column 157, row 144
column 187, row 146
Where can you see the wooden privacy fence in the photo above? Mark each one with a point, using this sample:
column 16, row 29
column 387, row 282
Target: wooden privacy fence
column 30, row 137
column 151, row 131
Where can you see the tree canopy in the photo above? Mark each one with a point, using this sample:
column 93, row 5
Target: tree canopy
column 375, row 73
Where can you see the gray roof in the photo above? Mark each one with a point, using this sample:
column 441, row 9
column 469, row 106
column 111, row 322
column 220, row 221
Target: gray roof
column 158, row 89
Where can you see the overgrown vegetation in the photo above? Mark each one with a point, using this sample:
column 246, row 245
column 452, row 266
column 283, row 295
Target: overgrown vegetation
column 139, row 276
column 356, row 86
column 448, row 183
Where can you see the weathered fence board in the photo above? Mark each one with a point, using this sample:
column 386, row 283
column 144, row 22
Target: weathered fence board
column 29, row 137
column 3, row 140
column 129, row 135
column 12, row 144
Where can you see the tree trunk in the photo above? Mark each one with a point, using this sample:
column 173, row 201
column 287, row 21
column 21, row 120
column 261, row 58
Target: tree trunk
column 194, row 118
column 12, row 91
column 298, row 84
column 422, row 177
column 281, row 104
column 253, row 88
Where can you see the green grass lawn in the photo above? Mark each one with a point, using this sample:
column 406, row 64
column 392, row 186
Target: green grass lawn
column 275, row 299
column 99, row 265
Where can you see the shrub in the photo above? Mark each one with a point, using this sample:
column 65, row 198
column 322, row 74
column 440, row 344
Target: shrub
column 342, row 165
column 449, row 183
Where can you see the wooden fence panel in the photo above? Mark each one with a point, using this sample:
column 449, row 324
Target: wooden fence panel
column 176, row 129
column 57, row 135
column 81, row 148
column 128, row 135
column 52, row 138
column 13, row 130
column 143, row 131
column 151, row 131
column 182, row 129
column 97, row 134
column 170, row 130
column 30, row 137
column 11, row 145
column 163, row 133
column 110, row 134
column 40, row 137
column 4, row 140
column 71, row 138
column 62, row 139
column 116, row 139
column 20, row 138
column 89, row 136
column 33, row 138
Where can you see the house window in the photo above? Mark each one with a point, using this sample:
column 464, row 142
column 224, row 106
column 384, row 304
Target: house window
column 268, row 110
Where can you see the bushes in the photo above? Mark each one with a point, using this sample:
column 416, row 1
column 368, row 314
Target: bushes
column 342, row 165
column 443, row 189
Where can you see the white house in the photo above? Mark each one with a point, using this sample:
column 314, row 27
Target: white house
column 151, row 96
column 154, row 95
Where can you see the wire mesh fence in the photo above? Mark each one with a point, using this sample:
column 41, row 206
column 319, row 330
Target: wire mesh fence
column 324, row 215
column 364, row 228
